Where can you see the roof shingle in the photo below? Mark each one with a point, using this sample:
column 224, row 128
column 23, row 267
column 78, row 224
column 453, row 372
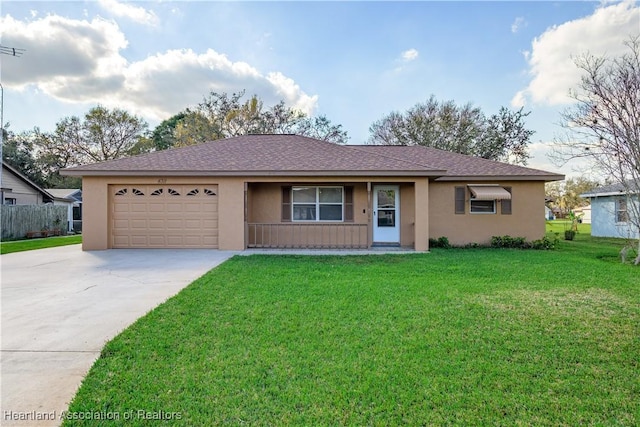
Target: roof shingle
column 255, row 155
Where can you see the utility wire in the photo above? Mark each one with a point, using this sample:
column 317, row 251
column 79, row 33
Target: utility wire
column 13, row 51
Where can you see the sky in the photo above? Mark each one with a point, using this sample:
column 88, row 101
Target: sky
column 352, row 61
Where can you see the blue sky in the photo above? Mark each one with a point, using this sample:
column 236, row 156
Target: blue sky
column 351, row 61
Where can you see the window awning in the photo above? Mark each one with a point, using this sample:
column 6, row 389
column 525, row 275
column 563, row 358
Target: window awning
column 492, row 192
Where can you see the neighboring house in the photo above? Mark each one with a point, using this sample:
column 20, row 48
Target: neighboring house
column 611, row 210
column 584, row 214
column 17, row 189
column 291, row 191
column 72, row 198
column 548, row 214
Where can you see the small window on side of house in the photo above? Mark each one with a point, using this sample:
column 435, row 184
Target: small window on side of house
column 460, row 196
column 505, row 204
column 622, row 214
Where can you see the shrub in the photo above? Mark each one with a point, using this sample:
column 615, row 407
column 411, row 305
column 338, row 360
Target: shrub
column 508, row 242
column 544, row 244
column 521, row 243
column 440, row 242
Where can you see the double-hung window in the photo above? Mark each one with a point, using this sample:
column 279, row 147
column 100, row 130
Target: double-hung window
column 621, row 210
column 317, row 203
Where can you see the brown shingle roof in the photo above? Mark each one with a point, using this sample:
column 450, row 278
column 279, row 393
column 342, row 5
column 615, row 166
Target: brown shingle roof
column 256, row 155
column 458, row 165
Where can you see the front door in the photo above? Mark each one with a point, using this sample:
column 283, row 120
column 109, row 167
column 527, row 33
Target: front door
column 386, row 214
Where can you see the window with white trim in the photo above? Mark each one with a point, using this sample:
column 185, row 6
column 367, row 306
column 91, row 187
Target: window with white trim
column 482, row 206
column 317, row 204
column 621, row 210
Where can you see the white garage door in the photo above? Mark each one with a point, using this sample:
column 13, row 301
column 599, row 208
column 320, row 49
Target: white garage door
column 164, row 216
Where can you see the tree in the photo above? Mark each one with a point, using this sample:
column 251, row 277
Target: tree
column 17, row 151
column 566, row 194
column 163, row 136
column 505, row 138
column 101, row 135
column 460, row 129
column 221, row 115
column 603, row 125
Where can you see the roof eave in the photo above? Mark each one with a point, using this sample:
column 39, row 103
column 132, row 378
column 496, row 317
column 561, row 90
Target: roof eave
column 607, row 194
column 501, row 178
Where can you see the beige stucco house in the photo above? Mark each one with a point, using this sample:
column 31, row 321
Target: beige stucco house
column 288, row 191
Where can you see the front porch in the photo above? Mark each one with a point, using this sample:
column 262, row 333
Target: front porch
column 336, row 215
column 307, row 236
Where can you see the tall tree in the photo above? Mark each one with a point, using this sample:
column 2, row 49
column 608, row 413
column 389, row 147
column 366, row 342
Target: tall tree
column 603, row 125
column 221, row 115
column 460, row 129
column 17, row 151
column 101, row 135
column 164, row 135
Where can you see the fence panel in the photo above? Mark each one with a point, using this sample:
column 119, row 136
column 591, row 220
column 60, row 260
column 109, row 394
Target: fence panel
column 18, row 220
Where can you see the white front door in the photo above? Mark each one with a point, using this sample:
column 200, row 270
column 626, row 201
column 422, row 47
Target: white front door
column 386, row 214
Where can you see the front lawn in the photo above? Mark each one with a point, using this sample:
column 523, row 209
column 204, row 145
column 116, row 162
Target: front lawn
column 28, row 245
column 454, row 337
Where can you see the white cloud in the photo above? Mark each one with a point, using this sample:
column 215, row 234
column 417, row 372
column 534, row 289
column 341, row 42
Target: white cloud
column 518, row 24
column 550, row 60
column 410, row 55
column 135, row 13
column 80, row 62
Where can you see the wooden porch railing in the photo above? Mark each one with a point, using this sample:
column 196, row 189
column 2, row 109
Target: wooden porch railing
column 305, row 235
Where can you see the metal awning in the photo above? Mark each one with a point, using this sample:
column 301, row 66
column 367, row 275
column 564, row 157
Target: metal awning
column 489, row 192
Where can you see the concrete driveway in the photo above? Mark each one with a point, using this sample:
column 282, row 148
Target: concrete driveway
column 61, row 305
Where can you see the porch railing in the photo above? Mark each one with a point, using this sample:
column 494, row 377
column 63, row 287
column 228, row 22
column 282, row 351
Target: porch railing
column 316, row 236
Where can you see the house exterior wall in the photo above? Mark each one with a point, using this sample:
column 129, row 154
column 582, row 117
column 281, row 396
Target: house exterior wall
column 263, row 197
column 97, row 228
column 21, row 192
column 526, row 219
column 603, row 218
column 265, row 207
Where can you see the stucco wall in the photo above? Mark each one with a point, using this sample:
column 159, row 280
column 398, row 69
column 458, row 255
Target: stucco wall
column 96, row 224
column 426, row 208
column 264, row 205
column 526, row 219
column 603, row 219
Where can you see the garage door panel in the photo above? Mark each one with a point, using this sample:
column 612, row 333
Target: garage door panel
column 156, row 207
column 156, row 224
column 164, row 216
column 174, row 207
column 211, row 241
column 193, row 224
column 139, row 240
column 138, row 224
column 157, row 241
column 175, row 241
column 174, row 225
column 121, row 240
column 209, row 224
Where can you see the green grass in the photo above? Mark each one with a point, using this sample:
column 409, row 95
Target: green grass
column 29, row 245
column 454, row 337
column 559, row 226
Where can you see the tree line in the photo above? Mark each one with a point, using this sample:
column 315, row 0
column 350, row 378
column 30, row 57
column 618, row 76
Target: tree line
column 106, row 134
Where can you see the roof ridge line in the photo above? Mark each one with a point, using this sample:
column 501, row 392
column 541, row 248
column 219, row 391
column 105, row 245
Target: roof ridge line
column 354, row 147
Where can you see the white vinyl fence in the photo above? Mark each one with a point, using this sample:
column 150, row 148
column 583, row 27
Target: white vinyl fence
column 18, row 220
